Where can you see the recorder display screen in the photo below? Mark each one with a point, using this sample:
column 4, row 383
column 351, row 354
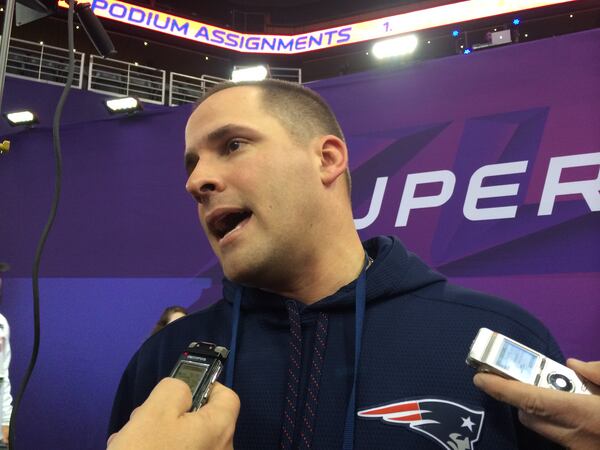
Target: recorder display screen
column 517, row 361
column 191, row 374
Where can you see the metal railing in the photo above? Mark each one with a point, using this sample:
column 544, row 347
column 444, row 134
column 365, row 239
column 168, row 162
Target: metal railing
column 40, row 62
column 48, row 64
column 188, row 89
column 120, row 78
column 292, row 74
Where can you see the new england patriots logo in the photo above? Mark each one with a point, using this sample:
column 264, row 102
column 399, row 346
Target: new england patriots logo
column 453, row 426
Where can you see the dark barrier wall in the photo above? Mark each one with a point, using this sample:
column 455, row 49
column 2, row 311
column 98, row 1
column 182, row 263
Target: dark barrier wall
column 428, row 142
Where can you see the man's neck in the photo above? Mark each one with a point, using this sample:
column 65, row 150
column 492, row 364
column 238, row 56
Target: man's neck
column 325, row 274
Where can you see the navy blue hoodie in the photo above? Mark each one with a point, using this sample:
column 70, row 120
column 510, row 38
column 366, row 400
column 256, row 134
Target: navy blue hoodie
column 413, row 388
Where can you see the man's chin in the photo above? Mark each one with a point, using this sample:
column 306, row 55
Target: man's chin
column 236, row 271
column 246, row 266
column 245, row 274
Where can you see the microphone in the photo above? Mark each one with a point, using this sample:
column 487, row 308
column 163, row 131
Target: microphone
column 94, row 29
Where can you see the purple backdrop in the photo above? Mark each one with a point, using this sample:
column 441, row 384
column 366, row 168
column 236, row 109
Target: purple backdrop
column 126, row 242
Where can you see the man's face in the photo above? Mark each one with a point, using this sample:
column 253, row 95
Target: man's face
column 255, row 186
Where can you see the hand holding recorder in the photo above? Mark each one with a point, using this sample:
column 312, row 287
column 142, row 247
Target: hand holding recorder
column 199, row 366
column 176, row 414
column 547, row 394
column 164, row 421
column 495, row 353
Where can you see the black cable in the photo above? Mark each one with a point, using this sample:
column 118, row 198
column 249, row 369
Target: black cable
column 48, row 227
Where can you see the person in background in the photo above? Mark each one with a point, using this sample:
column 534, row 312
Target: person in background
column 5, row 354
column 169, row 315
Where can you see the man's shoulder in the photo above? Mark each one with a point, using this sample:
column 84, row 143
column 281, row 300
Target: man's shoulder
column 210, row 324
column 215, row 316
column 466, row 298
column 458, row 304
column 220, row 309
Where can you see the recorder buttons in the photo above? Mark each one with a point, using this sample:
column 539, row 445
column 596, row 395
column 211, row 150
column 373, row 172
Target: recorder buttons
column 560, row 382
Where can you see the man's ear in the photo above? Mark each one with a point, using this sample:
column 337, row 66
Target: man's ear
column 334, row 158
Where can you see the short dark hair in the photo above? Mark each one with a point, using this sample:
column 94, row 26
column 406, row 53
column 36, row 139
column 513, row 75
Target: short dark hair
column 300, row 110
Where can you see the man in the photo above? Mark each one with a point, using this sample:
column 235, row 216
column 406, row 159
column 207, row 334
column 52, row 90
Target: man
column 334, row 343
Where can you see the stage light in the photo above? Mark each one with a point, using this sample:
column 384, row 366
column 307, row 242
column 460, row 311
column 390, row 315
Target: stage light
column 145, row 44
column 255, row 73
column 402, row 45
column 455, row 33
column 467, row 51
column 21, row 118
column 516, row 21
column 125, row 105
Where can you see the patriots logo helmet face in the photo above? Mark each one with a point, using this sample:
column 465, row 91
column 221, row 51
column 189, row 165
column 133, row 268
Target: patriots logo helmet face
column 450, row 424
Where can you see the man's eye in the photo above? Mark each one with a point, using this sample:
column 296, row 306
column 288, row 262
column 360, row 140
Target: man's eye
column 234, row 145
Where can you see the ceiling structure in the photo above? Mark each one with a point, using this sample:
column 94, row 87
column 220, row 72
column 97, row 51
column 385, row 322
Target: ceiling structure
column 297, row 16
column 279, row 12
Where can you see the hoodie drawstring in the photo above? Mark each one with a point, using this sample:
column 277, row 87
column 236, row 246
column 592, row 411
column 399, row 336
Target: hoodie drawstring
column 359, row 317
column 314, row 380
column 293, row 380
column 316, row 365
column 288, row 427
column 235, row 322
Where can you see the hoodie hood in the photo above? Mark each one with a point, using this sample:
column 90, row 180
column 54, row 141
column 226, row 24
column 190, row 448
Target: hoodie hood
column 395, row 271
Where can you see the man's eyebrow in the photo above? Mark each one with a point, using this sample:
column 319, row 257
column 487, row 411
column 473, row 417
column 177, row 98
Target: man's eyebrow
column 226, row 131
column 217, row 136
column 223, row 132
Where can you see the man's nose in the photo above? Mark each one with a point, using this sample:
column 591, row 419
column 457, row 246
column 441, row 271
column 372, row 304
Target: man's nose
column 204, row 182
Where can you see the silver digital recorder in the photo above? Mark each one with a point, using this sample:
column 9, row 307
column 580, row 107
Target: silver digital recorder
column 495, row 353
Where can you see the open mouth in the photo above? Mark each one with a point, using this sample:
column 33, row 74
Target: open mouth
column 226, row 223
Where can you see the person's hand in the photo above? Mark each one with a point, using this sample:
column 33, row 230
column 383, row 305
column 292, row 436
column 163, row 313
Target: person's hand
column 572, row 420
column 5, row 433
column 162, row 421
